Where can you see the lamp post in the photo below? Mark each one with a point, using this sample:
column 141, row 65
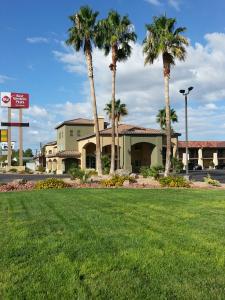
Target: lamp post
column 185, row 94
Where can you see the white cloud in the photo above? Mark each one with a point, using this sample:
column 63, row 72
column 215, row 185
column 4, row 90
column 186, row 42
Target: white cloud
column 211, row 106
column 4, row 78
column 74, row 61
column 37, row 40
column 174, row 3
column 142, row 88
column 36, row 111
column 154, row 2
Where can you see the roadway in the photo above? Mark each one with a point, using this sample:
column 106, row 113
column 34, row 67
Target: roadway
column 194, row 175
column 6, row 177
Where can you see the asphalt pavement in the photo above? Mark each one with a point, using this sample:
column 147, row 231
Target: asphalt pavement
column 194, row 175
column 6, row 177
column 215, row 174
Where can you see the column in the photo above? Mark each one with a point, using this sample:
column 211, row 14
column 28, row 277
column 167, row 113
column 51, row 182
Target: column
column 20, row 137
column 200, row 158
column 215, row 158
column 127, row 154
column 9, row 156
column 83, row 159
column 184, row 159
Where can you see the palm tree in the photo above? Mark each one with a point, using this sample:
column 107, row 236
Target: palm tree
column 166, row 41
column 82, row 35
column 116, row 34
column 120, row 111
column 161, row 117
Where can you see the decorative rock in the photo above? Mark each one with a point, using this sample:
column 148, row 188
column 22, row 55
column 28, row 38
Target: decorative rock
column 126, row 183
column 122, row 172
column 133, row 175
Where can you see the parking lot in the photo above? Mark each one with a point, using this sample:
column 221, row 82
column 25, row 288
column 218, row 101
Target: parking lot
column 215, row 174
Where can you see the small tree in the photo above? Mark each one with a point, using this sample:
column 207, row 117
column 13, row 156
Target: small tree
column 161, row 117
column 120, row 111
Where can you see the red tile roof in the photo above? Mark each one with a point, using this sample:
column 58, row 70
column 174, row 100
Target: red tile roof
column 79, row 121
column 125, row 129
column 202, row 144
column 132, row 129
column 65, row 154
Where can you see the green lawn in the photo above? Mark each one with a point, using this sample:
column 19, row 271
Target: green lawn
column 112, row 244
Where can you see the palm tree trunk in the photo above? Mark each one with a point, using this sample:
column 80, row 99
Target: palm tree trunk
column 95, row 113
column 168, row 123
column 118, row 143
column 113, row 68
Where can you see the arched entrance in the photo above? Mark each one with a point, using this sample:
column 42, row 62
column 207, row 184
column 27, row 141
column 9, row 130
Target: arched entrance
column 70, row 163
column 141, row 155
column 90, row 156
column 54, row 165
column 49, row 165
column 106, row 151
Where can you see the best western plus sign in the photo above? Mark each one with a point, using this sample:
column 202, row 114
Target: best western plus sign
column 15, row 100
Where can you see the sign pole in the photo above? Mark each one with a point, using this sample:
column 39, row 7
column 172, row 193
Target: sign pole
column 9, row 156
column 20, row 138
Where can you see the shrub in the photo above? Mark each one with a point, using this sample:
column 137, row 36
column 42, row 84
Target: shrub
column 77, row 173
column 174, row 181
column 116, row 180
column 211, row 165
column 13, row 170
column 177, row 165
column 211, row 181
column 91, row 172
column 105, row 164
column 51, row 183
column 41, row 169
column 16, row 186
column 153, row 171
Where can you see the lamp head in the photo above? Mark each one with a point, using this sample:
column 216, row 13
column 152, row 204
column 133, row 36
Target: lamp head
column 190, row 88
column 182, row 91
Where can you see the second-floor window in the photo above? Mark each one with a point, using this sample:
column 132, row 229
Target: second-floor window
column 78, row 133
column 50, row 152
column 71, row 132
column 60, row 135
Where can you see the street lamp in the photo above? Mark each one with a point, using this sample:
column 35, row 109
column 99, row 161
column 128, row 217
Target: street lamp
column 184, row 93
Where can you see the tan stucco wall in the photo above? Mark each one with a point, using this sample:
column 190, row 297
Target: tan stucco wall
column 67, row 142
column 55, row 164
column 125, row 143
column 156, row 157
column 50, row 150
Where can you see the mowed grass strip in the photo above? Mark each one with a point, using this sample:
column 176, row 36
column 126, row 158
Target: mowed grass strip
column 112, row 244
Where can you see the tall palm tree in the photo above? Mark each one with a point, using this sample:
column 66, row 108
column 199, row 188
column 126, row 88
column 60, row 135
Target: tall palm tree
column 120, row 111
column 82, row 36
column 163, row 39
column 116, row 34
column 161, row 117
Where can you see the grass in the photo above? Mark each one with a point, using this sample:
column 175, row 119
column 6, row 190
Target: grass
column 112, row 244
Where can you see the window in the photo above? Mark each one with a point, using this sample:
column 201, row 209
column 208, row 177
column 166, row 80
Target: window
column 78, row 133
column 50, row 152
column 137, row 163
column 71, row 132
column 59, row 135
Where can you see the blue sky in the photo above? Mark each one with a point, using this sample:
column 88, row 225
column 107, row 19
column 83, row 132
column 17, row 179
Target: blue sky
column 34, row 59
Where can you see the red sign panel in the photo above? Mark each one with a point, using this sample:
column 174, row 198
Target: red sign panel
column 19, row 100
